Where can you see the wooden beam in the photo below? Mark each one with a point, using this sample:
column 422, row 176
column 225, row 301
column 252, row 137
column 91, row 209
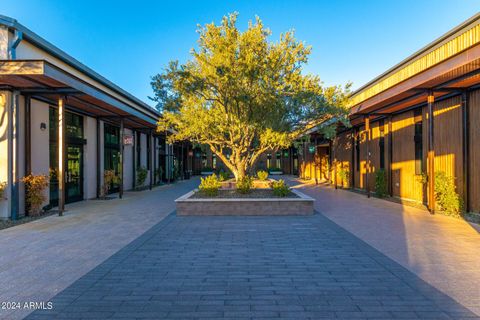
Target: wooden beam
column 390, row 155
column 431, row 155
column 367, row 156
column 61, row 156
column 466, row 150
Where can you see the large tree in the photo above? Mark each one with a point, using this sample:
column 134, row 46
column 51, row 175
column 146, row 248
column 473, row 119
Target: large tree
column 243, row 95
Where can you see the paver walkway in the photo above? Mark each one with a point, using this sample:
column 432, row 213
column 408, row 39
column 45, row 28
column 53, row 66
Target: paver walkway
column 443, row 251
column 248, row 268
column 41, row 258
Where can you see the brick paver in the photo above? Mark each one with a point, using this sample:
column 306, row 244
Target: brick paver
column 43, row 257
column 247, row 268
column 443, row 251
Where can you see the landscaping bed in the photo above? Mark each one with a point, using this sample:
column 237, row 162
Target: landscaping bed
column 7, row 223
column 254, row 194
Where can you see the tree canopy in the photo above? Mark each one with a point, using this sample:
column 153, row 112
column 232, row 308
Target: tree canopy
column 243, row 95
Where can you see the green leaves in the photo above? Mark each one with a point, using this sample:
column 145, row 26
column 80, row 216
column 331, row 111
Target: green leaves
column 243, row 93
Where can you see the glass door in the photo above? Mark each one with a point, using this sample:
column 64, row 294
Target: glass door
column 74, row 174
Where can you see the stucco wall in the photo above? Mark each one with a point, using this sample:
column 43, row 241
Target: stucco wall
column 128, row 164
column 90, row 158
column 40, row 140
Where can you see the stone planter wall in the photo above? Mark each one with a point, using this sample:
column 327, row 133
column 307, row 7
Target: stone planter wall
column 186, row 206
column 257, row 184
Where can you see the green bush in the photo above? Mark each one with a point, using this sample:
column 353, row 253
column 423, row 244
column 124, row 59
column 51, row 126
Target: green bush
column 209, row 185
column 222, row 175
column 245, row 184
column 446, row 195
column 262, row 175
column 141, row 176
column 280, row 189
column 381, row 183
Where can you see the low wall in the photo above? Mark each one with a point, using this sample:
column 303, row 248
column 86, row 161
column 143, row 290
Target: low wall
column 186, row 206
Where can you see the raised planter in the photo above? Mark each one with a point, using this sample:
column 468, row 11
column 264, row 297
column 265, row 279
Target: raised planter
column 257, row 184
column 299, row 205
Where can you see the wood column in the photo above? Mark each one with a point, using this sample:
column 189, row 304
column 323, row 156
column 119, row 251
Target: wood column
column 352, row 162
column 431, row 154
column 12, row 152
column 334, row 162
column 27, row 145
column 367, row 158
column 390, row 155
column 120, row 165
column 134, row 158
column 61, row 156
column 28, row 136
column 466, row 150
column 154, row 160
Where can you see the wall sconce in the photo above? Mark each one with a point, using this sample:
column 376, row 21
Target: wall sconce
column 43, row 126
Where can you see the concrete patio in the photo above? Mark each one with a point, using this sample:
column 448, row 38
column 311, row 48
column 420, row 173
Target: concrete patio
column 443, row 251
column 242, row 267
column 41, row 258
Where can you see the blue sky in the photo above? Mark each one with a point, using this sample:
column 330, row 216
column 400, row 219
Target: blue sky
column 129, row 41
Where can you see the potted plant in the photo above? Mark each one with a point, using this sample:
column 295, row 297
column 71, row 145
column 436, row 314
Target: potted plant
column 35, row 186
column 142, row 173
column 3, row 200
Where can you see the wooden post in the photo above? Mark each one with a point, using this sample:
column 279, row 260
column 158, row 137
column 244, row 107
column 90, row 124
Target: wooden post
column 367, row 159
column 61, row 156
column 390, row 156
column 352, row 162
column 120, row 165
column 466, row 150
column 431, row 154
column 154, row 159
column 334, row 162
column 28, row 145
column 134, row 158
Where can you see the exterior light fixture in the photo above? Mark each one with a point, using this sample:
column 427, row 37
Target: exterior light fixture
column 43, row 126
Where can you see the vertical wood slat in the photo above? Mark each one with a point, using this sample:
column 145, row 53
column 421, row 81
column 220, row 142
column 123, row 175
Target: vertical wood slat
column 431, row 155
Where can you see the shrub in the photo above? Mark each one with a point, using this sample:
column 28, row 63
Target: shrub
column 245, row 184
column 381, row 183
column 3, row 187
column 222, row 175
column 141, row 176
column 280, row 189
column 109, row 178
column 344, row 175
column 262, row 175
column 446, row 195
column 34, row 188
column 209, row 185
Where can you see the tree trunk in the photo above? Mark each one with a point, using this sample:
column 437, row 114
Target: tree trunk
column 239, row 172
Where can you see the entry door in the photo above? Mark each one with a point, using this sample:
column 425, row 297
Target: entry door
column 74, row 173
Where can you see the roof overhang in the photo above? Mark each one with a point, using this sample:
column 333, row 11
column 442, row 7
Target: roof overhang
column 45, row 81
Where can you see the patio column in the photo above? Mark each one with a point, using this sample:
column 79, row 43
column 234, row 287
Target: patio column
column 352, row 162
column 154, row 159
column 120, row 165
column 466, row 150
column 334, row 162
column 431, row 154
column 134, row 158
column 12, row 151
column 61, row 156
column 367, row 159
column 390, row 156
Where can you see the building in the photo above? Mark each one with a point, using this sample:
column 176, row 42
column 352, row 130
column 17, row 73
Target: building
column 60, row 118
column 420, row 117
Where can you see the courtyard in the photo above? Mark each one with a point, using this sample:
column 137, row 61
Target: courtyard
column 160, row 266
